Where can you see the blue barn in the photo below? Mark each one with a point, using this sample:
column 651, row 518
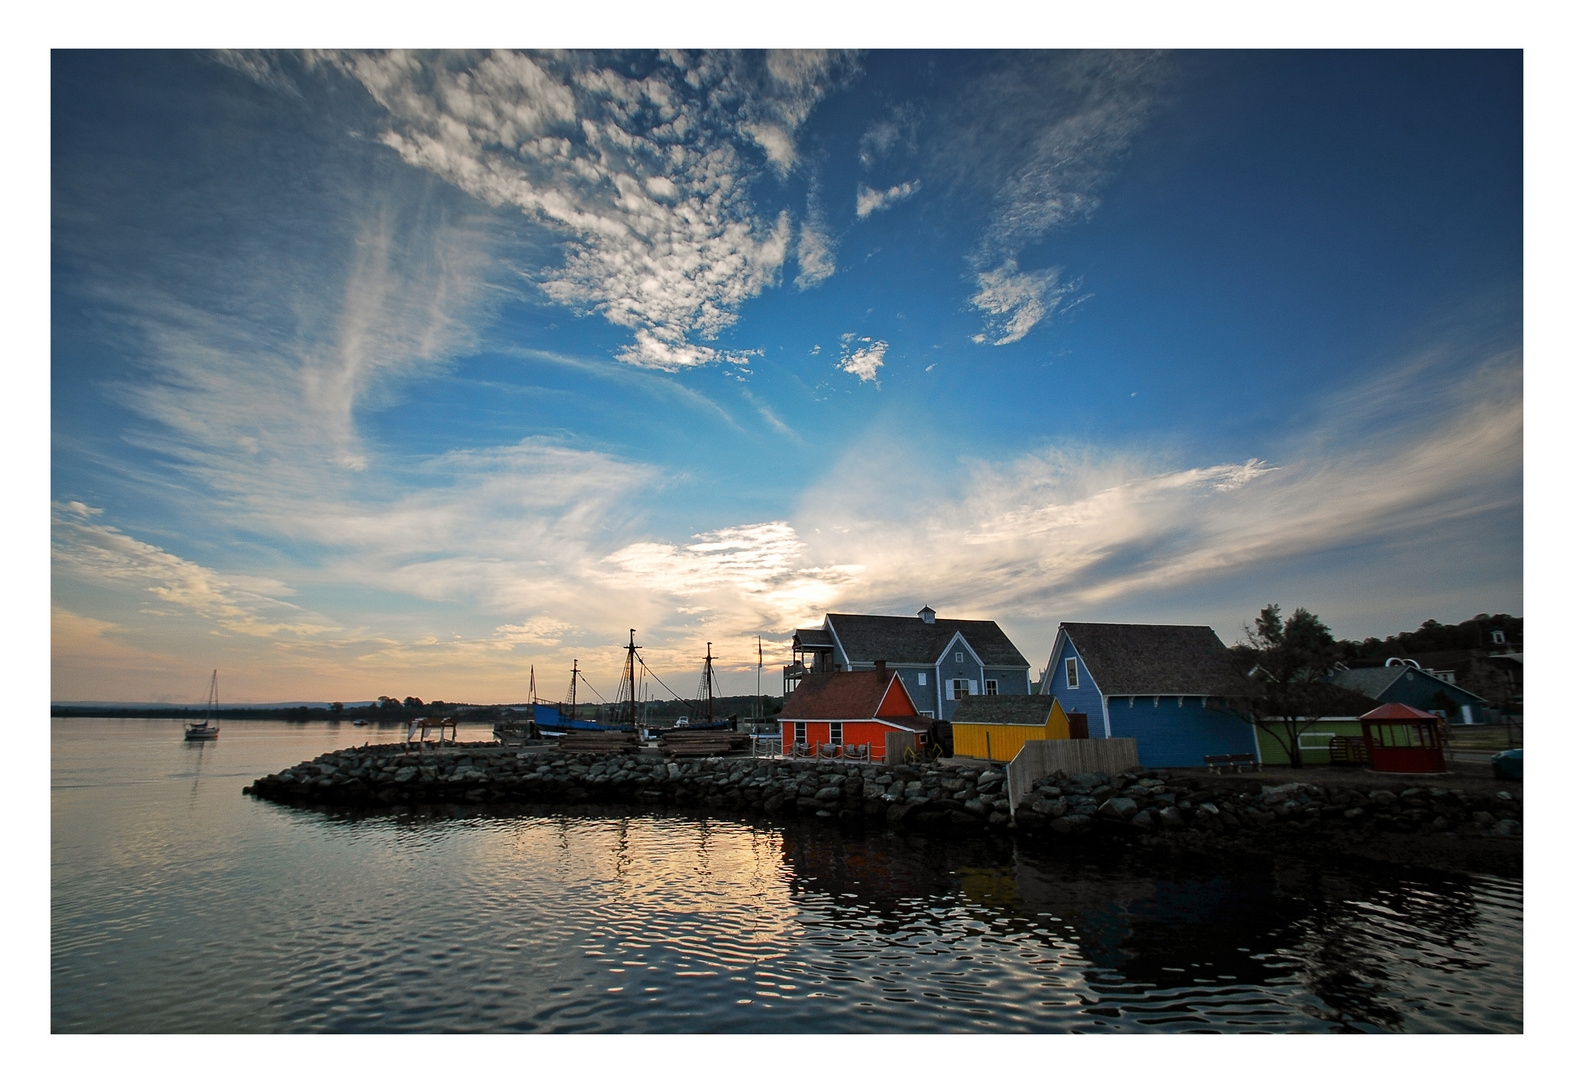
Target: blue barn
column 1405, row 683
column 1159, row 685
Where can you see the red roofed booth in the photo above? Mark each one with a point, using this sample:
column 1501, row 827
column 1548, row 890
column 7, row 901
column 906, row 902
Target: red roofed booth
column 1403, row 739
column 826, row 714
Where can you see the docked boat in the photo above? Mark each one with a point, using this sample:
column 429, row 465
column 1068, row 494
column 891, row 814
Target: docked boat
column 207, row 728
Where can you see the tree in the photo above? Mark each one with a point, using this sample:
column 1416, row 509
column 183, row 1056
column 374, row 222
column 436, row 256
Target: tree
column 336, row 707
column 1282, row 663
column 412, row 703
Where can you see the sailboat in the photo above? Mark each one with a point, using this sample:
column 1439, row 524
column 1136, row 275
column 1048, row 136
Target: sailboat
column 208, row 728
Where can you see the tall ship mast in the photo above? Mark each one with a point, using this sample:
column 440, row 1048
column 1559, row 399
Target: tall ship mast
column 626, row 709
column 706, row 686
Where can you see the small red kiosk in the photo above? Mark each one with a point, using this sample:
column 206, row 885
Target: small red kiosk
column 1402, row 739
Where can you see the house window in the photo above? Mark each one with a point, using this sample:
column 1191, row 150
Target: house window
column 921, row 678
column 837, row 733
column 962, row 689
column 927, row 713
column 1072, row 673
column 991, row 687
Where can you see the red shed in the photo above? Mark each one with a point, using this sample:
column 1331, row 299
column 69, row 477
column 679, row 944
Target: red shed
column 849, row 709
column 1402, row 739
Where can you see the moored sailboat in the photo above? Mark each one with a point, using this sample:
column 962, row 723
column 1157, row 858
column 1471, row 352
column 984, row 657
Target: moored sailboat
column 208, row 727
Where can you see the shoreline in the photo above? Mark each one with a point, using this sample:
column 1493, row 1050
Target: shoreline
column 1398, row 820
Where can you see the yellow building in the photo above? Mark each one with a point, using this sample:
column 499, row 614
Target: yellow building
column 995, row 727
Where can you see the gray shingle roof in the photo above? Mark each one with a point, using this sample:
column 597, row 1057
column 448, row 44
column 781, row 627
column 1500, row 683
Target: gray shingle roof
column 814, row 638
column 1030, row 709
column 1131, row 658
column 906, row 639
column 1370, row 681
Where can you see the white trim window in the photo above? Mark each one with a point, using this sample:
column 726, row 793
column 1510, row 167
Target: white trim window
column 837, row 732
column 1071, row 673
column 959, row 689
column 990, row 688
column 960, row 657
column 927, row 713
column 921, row 678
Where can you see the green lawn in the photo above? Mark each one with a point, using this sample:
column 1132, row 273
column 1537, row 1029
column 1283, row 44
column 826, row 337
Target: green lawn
column 1493, row 737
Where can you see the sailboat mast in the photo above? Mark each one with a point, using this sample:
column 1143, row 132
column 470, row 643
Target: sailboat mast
column 572, row 694
column 627, row 687
column 706, row 690
column 534, row 698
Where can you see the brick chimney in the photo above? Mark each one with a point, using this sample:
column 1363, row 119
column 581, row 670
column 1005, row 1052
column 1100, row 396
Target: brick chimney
column 881, row 666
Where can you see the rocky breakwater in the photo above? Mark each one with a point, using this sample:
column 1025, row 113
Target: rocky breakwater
column 1151, row 807
column 916, row 795
column 1158, row 802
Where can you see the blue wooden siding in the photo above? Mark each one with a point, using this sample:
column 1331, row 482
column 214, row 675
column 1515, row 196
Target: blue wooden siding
column 1168, row 735
column 968, row 667
column 1087, row 698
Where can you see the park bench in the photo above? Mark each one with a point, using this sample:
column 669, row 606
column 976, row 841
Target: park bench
column 1231, row 763
column 1349, row 750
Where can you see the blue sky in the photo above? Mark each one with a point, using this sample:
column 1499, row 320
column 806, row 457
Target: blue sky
column 400, row 373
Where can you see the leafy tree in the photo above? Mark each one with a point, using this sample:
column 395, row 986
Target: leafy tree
column 336, row 707
column 412, row 703
column 1282, row 662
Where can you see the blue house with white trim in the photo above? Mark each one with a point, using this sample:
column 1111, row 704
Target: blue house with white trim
column 1162, row 686
column 941, row 661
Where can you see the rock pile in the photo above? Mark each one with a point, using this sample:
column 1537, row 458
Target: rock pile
column 924, row 797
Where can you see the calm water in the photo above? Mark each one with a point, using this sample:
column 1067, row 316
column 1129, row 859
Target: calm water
column 181, row 905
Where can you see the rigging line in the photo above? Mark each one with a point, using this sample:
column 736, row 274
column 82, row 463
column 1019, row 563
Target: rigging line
column 668, row 690
column 592, row 690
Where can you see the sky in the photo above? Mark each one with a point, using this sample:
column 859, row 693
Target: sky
column 404, row 373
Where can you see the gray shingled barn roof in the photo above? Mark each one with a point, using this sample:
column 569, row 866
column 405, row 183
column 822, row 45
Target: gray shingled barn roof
column 1130, row 658
column 1030, row 709
column 906, row 639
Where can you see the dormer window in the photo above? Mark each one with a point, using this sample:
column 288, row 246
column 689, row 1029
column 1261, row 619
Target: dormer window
column 927, row 615
column 1072, row 673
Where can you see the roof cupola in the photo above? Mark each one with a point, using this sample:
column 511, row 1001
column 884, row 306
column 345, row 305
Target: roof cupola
column 927, row 614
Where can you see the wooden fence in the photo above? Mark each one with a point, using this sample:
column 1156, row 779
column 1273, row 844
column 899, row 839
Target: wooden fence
column 1044, row 757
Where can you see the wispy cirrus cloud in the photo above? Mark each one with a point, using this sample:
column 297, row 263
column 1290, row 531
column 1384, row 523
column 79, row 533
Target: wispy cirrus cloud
column 1040, row 136
column 649, row 178
column 1060, row 532
column 94, row 553
column 870, row 200
column 1014, row 300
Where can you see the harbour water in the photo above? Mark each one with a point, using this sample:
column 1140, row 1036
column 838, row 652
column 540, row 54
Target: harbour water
column 179, row 905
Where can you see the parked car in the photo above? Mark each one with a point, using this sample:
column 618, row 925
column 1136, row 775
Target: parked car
column 1508, row 764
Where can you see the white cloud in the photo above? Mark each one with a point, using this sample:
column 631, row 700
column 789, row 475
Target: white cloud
column 1017, row 300
column 870, row 199
column 1062, row 532
column 104, row 556
column 649, row 180
column 864, row 360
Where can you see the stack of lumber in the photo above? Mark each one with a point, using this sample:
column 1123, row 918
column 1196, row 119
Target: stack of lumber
column 705, row 743
column 599, row 742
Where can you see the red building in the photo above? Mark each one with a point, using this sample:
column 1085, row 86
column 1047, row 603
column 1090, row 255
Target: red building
column 849, row 708
column 1403, row 739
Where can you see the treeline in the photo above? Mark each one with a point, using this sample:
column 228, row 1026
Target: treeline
column 1475, row 634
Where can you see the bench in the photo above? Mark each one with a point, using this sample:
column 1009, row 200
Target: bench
column 1349, row 750
column 1231, row 763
